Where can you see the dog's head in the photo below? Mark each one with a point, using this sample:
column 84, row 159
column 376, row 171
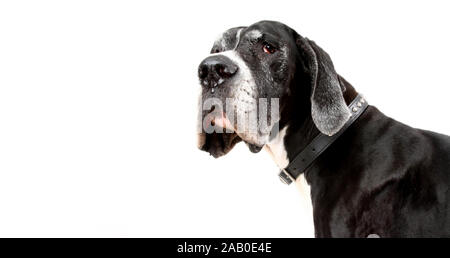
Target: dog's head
column 265, row 67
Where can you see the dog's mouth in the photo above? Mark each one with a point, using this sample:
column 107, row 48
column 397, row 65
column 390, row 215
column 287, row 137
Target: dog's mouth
column 222, row 139
column 218, row 144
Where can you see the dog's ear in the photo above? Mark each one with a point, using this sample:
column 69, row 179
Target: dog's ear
column 328, row 108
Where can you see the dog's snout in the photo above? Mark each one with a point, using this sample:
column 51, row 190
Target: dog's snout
column 215, row 70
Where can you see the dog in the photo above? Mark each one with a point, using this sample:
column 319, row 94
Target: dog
column 369, row 175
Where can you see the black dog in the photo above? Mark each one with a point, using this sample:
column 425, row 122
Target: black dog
column 375, row 176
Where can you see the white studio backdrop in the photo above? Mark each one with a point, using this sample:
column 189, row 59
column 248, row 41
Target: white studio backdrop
column 98, row 108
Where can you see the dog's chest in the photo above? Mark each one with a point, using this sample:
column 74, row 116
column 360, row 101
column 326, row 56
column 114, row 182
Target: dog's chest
column 277, row 151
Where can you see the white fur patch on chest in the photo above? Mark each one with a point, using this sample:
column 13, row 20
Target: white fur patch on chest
column 305, row 191
column 277, row 151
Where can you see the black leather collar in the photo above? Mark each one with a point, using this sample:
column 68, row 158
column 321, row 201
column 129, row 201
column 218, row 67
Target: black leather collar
column 319, row 144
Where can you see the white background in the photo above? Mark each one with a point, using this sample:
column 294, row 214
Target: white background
column 98, row 98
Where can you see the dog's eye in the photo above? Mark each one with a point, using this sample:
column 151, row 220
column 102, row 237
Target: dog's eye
column 269, row 49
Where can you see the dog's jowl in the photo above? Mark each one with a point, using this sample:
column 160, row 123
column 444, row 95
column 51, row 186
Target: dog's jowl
column 368, row 174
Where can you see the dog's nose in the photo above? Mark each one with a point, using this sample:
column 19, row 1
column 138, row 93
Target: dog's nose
column 215, row 70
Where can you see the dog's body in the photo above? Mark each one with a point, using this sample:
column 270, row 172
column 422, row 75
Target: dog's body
column 379, row 177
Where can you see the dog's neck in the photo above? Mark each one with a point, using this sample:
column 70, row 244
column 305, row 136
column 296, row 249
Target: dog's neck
column 294, row 136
